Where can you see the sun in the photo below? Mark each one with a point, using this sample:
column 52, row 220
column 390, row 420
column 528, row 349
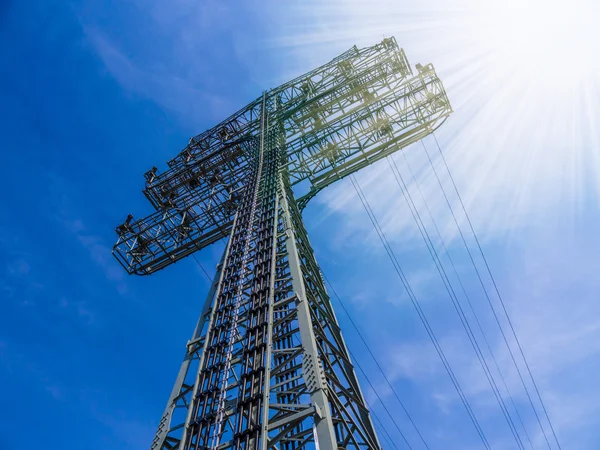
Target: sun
column 555, row 41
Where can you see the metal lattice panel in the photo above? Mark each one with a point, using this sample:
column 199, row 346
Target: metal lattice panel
column 267, row 366
column 339, row 118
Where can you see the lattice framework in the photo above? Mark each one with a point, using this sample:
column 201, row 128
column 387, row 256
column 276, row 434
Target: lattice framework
column 267, row 366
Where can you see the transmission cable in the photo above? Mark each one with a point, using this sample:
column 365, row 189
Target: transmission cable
column 464, row 291
column 380, row 399
column 453, row 297
column 485, row 290
column 375, row 360
column 495, row 288
column 382, row 430
column 420, row 312
column 202, row 267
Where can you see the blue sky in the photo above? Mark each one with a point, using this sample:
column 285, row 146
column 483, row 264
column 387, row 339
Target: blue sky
column 94, row 94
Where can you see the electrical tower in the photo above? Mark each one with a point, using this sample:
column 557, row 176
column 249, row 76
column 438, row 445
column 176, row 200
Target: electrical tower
column 267, row 366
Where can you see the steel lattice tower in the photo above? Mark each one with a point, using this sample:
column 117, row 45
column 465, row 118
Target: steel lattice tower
column 267, row 366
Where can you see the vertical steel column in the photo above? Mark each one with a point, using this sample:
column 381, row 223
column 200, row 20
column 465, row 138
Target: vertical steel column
column 177, row 399
column 352, row 424
column 185, row 427
column 312, row 366
column 246, row 257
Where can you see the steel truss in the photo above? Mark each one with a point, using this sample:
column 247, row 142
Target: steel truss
column 267, row 366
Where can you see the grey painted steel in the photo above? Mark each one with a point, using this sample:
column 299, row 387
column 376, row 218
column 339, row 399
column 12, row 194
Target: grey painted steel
column 311, row 365
column 193, row 347
column 267, row 366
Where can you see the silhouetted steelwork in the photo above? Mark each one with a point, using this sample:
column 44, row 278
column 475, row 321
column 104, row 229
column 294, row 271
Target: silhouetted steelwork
column 267, row 366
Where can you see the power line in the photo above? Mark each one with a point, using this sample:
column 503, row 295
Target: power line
column 380, row 399
column 497, row 292
column 447, row 252
column 420, row 312
column 202, row 267
column 382, row 428
column 376, row 362
column 455, row 302
column 487, row 296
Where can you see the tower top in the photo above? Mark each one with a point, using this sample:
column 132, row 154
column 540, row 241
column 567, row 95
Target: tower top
column 338, row 118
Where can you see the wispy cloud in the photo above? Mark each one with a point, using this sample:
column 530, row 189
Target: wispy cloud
column 559, row 335
column 98, row 251
column 175, row 73
column 168, row 90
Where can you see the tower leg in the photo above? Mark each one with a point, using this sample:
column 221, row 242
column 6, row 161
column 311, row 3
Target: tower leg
column 167, row 436
column 311, row 365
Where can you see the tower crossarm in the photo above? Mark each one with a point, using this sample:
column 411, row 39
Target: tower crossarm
column 195, row 199
column 194, row 208
column 225, row 164
column 352, row 71
column 362, row 132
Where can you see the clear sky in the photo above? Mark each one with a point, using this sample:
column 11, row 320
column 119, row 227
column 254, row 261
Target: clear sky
column 93, row 94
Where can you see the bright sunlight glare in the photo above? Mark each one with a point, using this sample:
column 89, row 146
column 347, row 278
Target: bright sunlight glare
column 522, row 76
column 556, row 39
